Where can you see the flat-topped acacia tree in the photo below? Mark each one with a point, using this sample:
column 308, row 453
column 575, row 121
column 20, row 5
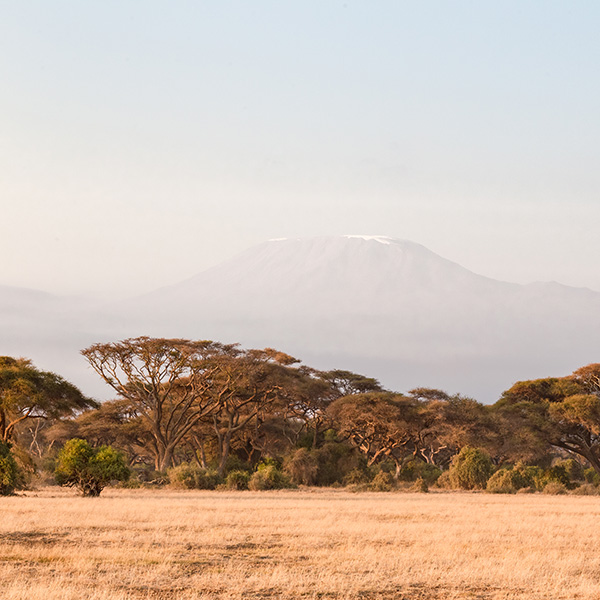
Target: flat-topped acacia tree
column 28, row 393
column 169, row 383
column 561, row 411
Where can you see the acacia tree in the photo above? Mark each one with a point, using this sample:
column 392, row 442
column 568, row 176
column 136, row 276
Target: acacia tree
column 246, row 383
column 444, row 424
column 378, row 424
column 561, row 411
column 167, row 381
column 26, row 393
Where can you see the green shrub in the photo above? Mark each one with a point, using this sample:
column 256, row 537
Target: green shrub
column 591, row 476
column 511, row 480
column 470, row 469
column 335, row 461
column 417, row 469
column 573, row 469
column 26, row 469
column 193, row 477
column 268, row 477
column 557, row 474
column 237, row 480
column 9, row 472
column 357, row 477
column 382, row 482
column 89, row 469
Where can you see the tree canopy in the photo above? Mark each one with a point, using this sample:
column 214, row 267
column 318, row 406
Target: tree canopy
column 29, row 393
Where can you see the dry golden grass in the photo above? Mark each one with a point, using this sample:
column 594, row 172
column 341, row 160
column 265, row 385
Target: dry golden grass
column 324, row 544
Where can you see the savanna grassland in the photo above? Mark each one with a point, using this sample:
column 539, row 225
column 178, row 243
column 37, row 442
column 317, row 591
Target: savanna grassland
column 164, row 544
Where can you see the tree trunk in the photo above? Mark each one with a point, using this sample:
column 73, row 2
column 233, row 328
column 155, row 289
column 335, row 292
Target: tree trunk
column 224, row 452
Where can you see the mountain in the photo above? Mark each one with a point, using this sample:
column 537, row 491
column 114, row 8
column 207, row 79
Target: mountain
column 387, row 308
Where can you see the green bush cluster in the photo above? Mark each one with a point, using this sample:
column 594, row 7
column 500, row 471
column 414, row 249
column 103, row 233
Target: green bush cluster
column 413, row 470
column 591, row 476
column 269, row 477
column 328, row 465
column 382, row 482
column 512, row 479
column 193, row 477
column 237, row 480
column 89, row 469
column 9, row 473
column 470, row 470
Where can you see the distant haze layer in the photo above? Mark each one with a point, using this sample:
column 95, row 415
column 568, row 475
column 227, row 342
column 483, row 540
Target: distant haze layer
column 383, row 307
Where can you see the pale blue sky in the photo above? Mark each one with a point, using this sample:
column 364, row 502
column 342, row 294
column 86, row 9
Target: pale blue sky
column 142, row 141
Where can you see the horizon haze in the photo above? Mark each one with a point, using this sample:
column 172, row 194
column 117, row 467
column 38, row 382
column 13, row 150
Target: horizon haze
column 383, row 307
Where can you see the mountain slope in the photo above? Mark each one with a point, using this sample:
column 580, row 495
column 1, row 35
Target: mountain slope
column 387, row 308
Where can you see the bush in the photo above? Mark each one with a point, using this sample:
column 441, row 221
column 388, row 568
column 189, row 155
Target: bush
column 26, row 469
column 470, row 469
column 237, row 480
column 193, row 477
column 554, row 487
column 572, row 468
column 511, row 480
column 417, row 469
column 591, row 476
column 268, row 477
column 89, row 469
column 443, row 481
column 357, row 477
column 302, row 467
column 557, row 474
column 382, row 482
column 587, row 489
column 420, row 486
column 9, row 472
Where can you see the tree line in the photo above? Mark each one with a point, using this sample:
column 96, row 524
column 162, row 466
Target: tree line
column 203, row 414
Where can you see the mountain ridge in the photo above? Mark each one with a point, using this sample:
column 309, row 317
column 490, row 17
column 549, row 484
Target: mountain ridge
column 389, row 308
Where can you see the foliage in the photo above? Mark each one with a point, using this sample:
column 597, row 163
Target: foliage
column 237, row 480
column 511, row 480
column 378, row 424
column 357, row 476
column 470, row 469
column 586, row 489
column 302, row 467
column 563, row 412
column 89, row 469
column 192, row 477
column 420, row 486
column 26, row 467
column 382, row 482
column 572, row 468
column 414, row 470
column 27, row 393
column 591, row 476
column 554, row 487
column 9, row 473
column 269, row 477
column 556, row 474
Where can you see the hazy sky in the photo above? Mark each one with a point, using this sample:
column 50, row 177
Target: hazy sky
column 143, row 141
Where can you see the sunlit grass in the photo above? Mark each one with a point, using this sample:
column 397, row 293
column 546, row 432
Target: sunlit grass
column 297, row 544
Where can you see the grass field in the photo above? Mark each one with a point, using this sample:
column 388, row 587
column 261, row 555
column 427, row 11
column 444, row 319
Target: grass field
column 297, row 544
